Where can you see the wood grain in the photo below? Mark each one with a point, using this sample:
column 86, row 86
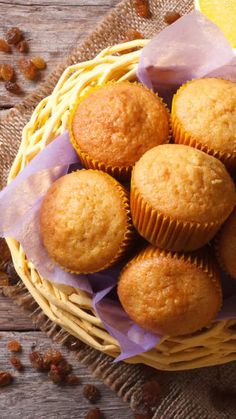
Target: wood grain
column 13, row 317
column 52, row 29
column 33, row 395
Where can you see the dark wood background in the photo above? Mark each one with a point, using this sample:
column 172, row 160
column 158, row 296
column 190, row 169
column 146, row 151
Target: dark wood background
column 52, row 27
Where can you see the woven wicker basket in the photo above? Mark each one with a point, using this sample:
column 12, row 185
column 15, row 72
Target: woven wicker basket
column 71, row 308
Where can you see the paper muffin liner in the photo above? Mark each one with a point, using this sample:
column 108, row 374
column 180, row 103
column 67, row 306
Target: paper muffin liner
column 166, row 232
column 122, row 173
column 181, row 136
column 128, row 238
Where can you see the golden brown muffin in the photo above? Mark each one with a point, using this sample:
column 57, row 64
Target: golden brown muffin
column 85, row 221
column 204, row 116
column 115, row 124
column 180, row 196
column 170, row 294
column 226, row 246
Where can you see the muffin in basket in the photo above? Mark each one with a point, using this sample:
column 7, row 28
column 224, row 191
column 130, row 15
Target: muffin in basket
column 112, row 126
column 180, row 197
column 225, row 246
column 170, row 294
column 85, row 221
column 204, row 116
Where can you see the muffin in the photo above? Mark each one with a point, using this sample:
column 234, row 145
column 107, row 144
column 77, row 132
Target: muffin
column 85, row 221
column 170, row 294
column 204, row 116
column 180, row 196
column 112, row 126
column 226, row 246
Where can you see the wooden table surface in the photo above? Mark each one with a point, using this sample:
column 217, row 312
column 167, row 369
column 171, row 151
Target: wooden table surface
column 51, row 27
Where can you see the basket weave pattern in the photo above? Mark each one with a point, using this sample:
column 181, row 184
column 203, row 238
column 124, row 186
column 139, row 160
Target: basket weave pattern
column 71, row 308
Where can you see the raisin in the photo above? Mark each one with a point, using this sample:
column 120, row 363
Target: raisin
column 16, row 362
column 13, row 36
column 12, row 87
column 4, row 46
column 94, row 414
column 151, row 393
column 36, row 360
column 64, row 367
column 38, row 62
column 51, row 356
column 91, row 393
column 14, row 346
column 171, row 17
column 7, row 72
column 142, row 8
column 54, row 375
column 22, row 46
column 28, row 69
column 72, row 380
column 5, row 378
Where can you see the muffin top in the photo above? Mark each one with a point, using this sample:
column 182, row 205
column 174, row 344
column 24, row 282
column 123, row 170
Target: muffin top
column 167, row 294
column 184, row 183
column 206, row 108
column 84, row 220
column 117, row 123
column 226, row 246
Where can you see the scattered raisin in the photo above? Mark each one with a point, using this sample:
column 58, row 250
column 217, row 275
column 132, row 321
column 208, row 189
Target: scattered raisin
column 72, row 380
column 13, row 35
column 91, row 393
column 142, row 8
column 38, row 62
column 5, row 378
column 55, row 375
column 94, row 414
column 12, row 87
column 28, row 69
column 171, row 17
column 151, row 393
column 14, row 346
column 4, row 46
column 7, row 72
column 51, row 356
column 16, row 362
column 36, row 360
column 22, row 46
column 64, row 367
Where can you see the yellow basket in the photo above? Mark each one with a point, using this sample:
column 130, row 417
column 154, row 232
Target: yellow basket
column 71, row 308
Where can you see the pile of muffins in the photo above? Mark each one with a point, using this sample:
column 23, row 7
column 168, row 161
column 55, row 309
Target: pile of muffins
column 181, row 194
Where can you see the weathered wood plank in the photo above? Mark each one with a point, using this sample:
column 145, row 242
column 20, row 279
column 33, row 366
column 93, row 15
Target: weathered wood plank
column 52, row 30
column 13, row 317
column 32, row 395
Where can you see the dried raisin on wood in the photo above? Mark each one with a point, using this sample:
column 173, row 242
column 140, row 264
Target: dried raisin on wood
column 91, row 393
column 142, row 8
column 28, row 69
column 54, row 375
column 13, row 35
column 12, row 87
column 72, row 380
column 7, row 72
column 171, row 17
column 38, row 62
column 14, row 346
column 94, row 414
column 5, row 378
column 22, row 46
column 36, row 360
column 16, row 362
column 4, row 46
column 51, row 356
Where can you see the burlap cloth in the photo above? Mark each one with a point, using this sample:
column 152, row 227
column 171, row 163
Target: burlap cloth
column 207, row 393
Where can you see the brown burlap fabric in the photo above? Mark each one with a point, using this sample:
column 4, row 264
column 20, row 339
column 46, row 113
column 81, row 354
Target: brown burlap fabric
column 207, row 393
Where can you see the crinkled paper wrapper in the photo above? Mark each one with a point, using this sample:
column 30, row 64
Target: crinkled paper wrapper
column 166, row 62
